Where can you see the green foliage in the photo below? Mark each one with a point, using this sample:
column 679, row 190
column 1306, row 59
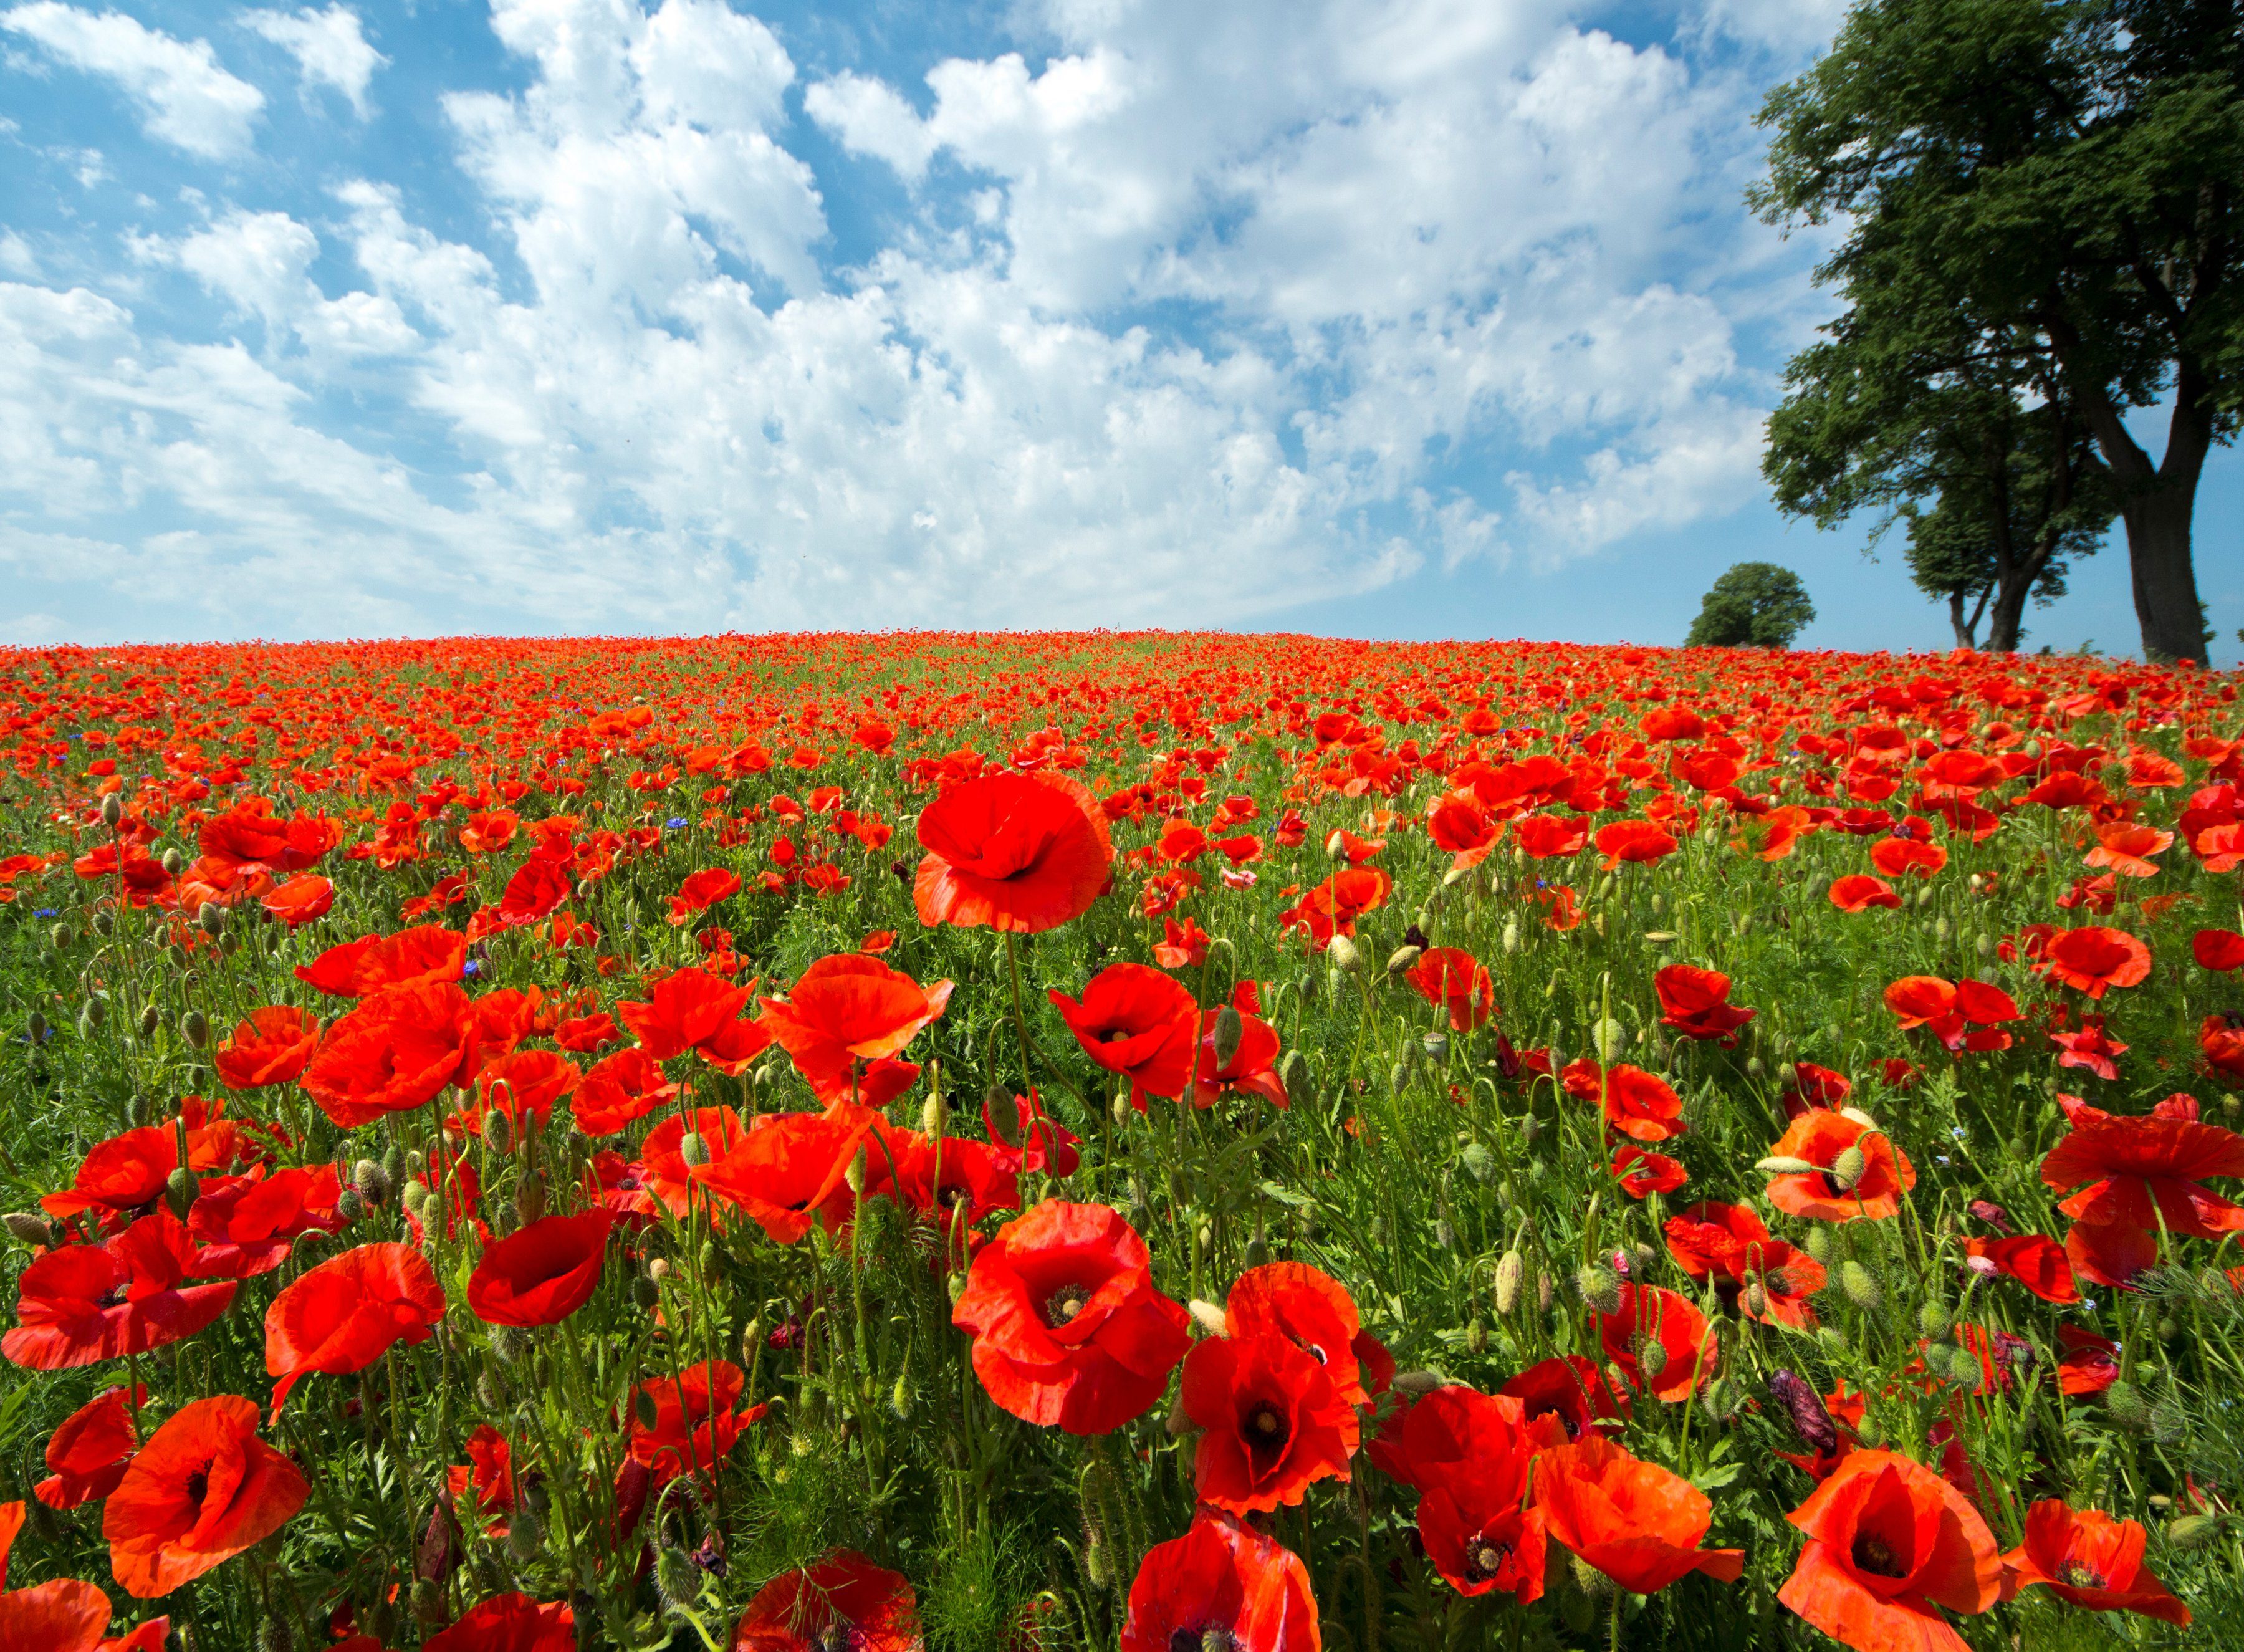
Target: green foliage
column 1753, row 605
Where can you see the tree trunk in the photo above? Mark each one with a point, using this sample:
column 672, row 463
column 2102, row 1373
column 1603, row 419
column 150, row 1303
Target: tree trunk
column 1964, row 627
column 2165, row 581
column 2009, row 606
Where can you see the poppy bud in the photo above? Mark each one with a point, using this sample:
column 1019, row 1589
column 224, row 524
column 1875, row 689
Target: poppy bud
column 498, row 1136
column 211, row 918
column 1608, row 1037
column 1344, row 956
column 525, row 1535
column 1230, row 1028
column 349, row 1206
column 1599, row 1288
column 1860, row 1285
column 112, row 810
column 1003, row 1114
column 181, row 1189
column 852, row 1173
column 1096, row 1567
column 1847, row 1169
column 1805, row 1410
column 1403, row 958
column 900, row 1397
column 413, row 1195
column 1782, row 1166
column 530, row 1197
column 1932, row 1318
column 509, row 1344
column 151, row 1018
column 2130, row 1409
column 693, row 1149
column 25, row 1225
column 1416, row 1385
column 1940, row 930
column 36, row 1028
column 1294, row 1072
column 2193, row 1530
column 1818, row 1243
column 1652, row 1359
column 1119, row 1111
column 1336, row 843
column 1398, row 1077
column 1209, row 1317
column 1258, row 1251
column 373, row 1185
column 1756, row 1297
column 429, row 1607
column 1511, row 935
column 1755, row 1067
column 1576, row 1609
column 1510, row 1271
column 933, row 1116
column 1545, row 1289
column 645, row 1291
column 91, row 1017
column 1179, row 1423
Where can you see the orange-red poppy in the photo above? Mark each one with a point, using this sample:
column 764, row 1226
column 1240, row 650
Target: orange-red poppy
column 428, row 954
column 1634, row 1521
column 2095, row 960
column 618, row 1089
column 692, row 1009
column 843, row 1601
column 87, row 1302
column 1822, row 1138
column 1696, row 1002
column 789, row 1170
column 543, row 1273
column 1859, row 891
column 1138, row 1023
column 89, row 1448
column 345, row 1314
column 1273, row 1424
column 1456, row 983
column 846, row 1011
column 1889, row 1542
column 2142, row 1171
column 203, row 1489
column 1652, row 1318
column 698, row 1420
column 1014, row 852
column 1221, row 1584
column 508, row 1623
column 272, row 1047
column 124, row 1174
column 2089, row 1560
column 247, row 1225
column 396, row 1051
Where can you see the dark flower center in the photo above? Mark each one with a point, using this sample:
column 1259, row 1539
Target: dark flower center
column 1485, row 1560
column 839, row 1636
column 199, row 1487
column 2081, row 1576
column 1266, row 1428
column 1064, row 1304
column 952, row 1196
column 1214, row 1638
column 1872, row 1553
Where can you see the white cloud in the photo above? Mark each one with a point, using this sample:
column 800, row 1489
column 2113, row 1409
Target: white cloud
column 1455, row 281
column 185, row 98
column 330, row 48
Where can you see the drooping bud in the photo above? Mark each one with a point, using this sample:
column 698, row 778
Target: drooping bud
column 1933, row 1319
column 693, row 1149
column 498, row 1134
column 1210, row 1318
column 1860, row 1285
column 530, row 1197
column 349, row 1206
column 373, row 1185
column 676, row 1579
column 181, row 1189
column 1600, row 1287
column 1511, row 1271
column 1652, row 1359
column 1404, row 958
column 2130, row 1407
column 1511, row 935
column 1342, row 954
column 1230, row 1028
column 1804, row 1408
column 1847, row 1169
column 1784, row 1165
column 151, row 1018
column 2192, row 1531
column 1818, row 1243
column 1417, row 1385
column 27, row 1226
column 934, row 1116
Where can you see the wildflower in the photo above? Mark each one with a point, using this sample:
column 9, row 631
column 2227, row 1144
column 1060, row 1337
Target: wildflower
column 1831, row 1190
column 1457, row 984
column 203, row 1489
column 345, row 1314
column 1695, row 1002
column 846, row 1010
column 542, row 1274
column 1019, row 853
column 1138, row 1023
column 1634, row 1521
column 1889, row 1542
column 84, row 1303
column 2094, row 960
column 90, row 1449
column 508, row 1623
column 1222, row 1585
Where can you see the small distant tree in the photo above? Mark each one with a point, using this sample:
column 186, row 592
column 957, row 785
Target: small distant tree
column 1756, row 604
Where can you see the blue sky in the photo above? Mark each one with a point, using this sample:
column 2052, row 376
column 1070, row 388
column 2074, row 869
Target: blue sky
column 1431, row 318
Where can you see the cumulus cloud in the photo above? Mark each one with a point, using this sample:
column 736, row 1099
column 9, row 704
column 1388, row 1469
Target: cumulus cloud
column 185, row 98
column 1207, row 312
column 330, row 48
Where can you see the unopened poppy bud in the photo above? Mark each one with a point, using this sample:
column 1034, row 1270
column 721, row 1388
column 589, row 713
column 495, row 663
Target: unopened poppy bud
column 1230, row 1028
column 1756, row 1297
column 1782, row 1165
column 112, row 810
column 1179, row 1423
column 1294, row 1073
column 1608, row 1039
column 1547, row 1289
column 1511, row 935
column 498, row 1134
column 373, row 1185
column 644, row 1292
column 1342, row 955
column 490, row 1389
column 693, row 1149
column 174, row 861
column 413, row 1195
column 508, row 1344
column 211, row 918
column 1402, row 958
column 1652, row 1359
column 181, row 1189
column 1445, row 1236
column 27, row 1226
column 349, row 1206
column 1755, row 1067
column 1847, row 1169
column 1418, row 1384
column 1336, row 843
column 151, row 1018
column 1210, row 1318
column 36, row 1028
column 1599, row 1288
column 1096, row 1567
column 2192, row 1531
column 525, row 1535
column 1818, row 1243
column 530, row 1197
column 900, row 1397
column 430, row 1605
column 1932, row 1318
column 854, row 1172
column 933, row 1116
column 91, row 1017
column 1258, row 1251
column 1860, row 1285
column 1511, row 1271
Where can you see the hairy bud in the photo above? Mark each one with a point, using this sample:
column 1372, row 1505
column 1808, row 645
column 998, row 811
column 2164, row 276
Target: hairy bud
column 1860, row 1285
column 1600, row 1287
column 1230, row 1028
column 1342, row 955
column 181, row 1189
column 1804, row 1409
column 1511, row 1271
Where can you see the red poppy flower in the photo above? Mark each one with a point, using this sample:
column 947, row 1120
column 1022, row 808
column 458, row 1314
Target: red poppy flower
column 2126, row 848
column 2087, row 1364
column 1308, row 1308
column 1695, row 1002
column 272, row 1047
column 1634, row 1521
column 88, row 1303
column 300, row 899
column 1633, row 840
column 343, row 1315
column 125, row 1173
column 203, row 1489
column 1643, row 1172
column 1017, row 853
column 508, row 1623
column 396, row 1051
column 843, row 1601
column 1650, row 1318
column 2220, row 1041
column 1571, row 1389
column 1275, row 1424
column 1252, row 1066
column 2086, row 1557
column 542, row 1274
column 1457, row 984
column 1710, row 1237
column 1821, row 1139
column 64, row 1616
column 956, row 1180
column 691, row 1009
column 1067, row 1327
column 2142, row 1170
column 1858, row 892
column 1221, row 1584
column 1551, row 836
column 2095, row 960
column 662, row 1169
column 2037, row 1262
column 428, row 955
column 1896, row 856
column 617, row 1090
column 789, row 1169
column 2218, row 950
column 1182, row 946
column 1461, row 829
column 524, row 1084
column 696, row 1423
column 1889, row 1542
column 2110, row 1255
column 1029, row 1133
column 247, row 1225
column 1135, row 1021
column 1637, row 1104
column 1469, row 1454
column 1332, row 907
column 847, row 1011
column 89, row 1449
column 488, row 1475
column 700, row 891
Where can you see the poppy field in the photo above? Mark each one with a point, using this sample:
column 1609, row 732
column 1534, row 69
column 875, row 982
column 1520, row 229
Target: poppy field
column 1185, row 1142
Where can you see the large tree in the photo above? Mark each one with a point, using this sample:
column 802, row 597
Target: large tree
column 2062, row 173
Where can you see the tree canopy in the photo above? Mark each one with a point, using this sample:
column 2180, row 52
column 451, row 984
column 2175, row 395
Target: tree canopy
column 2039, row 198
column 1754, row 605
